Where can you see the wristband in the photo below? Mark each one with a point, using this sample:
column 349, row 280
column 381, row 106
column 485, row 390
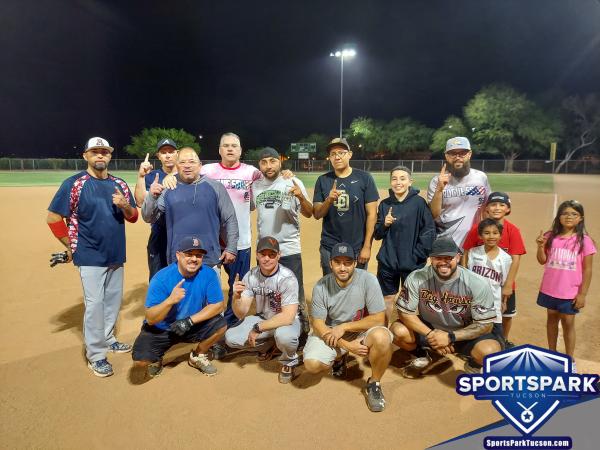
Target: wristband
column 59, row 229
column 451, row 337
column 430, row 331
column 256, row 328
column 134, row 218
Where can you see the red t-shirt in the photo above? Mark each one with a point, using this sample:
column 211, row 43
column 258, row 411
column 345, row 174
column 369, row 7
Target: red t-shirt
column 511, row 240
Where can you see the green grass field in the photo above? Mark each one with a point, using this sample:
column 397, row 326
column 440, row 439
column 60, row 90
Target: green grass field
column 499, row 182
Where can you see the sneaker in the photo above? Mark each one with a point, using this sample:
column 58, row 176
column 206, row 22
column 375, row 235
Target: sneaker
column 218, row 351
column 416, row 367
column 508, row 344
column 101, row 368
column 119, row 347
column 201, row 362
column 374, row 396
column 472, row 367
column 154, row 369
column 286, row 374
column 338, row 368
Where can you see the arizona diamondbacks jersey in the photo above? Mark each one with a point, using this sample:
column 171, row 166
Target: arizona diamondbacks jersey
column 462, row 199
column 447, row 305
column 273, row 292
column 494, row 270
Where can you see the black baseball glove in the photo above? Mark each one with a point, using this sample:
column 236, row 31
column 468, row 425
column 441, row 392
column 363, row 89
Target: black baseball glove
column 58, row 258
column 181, row 326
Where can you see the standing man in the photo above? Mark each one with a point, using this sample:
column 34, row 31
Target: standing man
column 448, row 309
column 197, row 207
column 456, row 197
column 348, row 317
column 183, row 304
column 279, row 203
column 166, row 152
column 95, row 205
column 275, row 289
column 346, row 200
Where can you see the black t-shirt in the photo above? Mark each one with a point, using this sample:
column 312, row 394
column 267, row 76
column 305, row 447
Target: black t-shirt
column 345, row 220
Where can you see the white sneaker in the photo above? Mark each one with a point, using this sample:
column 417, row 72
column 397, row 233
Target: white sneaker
column 202, row 363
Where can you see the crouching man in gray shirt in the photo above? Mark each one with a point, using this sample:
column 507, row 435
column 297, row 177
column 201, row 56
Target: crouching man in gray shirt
column 348, row 314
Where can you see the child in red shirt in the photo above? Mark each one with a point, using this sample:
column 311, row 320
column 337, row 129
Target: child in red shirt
column 511, row 241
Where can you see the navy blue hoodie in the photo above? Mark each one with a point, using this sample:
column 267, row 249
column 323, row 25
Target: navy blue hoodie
column 407, row 242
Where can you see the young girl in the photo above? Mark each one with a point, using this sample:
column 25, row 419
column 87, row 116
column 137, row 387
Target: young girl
column 567, row 253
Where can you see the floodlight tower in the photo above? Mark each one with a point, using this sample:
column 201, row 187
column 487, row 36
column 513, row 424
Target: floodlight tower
column 346, row 53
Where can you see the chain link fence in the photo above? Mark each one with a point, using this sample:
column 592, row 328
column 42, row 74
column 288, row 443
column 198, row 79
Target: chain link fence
column 580, row 166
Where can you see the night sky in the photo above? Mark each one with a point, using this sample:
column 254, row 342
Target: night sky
column 76, row 69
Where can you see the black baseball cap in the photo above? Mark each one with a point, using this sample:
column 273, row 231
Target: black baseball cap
column 268, row 152
column 444, row 246
column 342, row 249
column 164, row 142
column 498, row 197
column 267, row 243
column 338, row 142
column 190, row 243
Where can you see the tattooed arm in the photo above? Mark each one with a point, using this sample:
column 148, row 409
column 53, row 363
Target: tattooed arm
column 473, row 331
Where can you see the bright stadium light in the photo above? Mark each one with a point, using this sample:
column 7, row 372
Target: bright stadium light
column 345, row 53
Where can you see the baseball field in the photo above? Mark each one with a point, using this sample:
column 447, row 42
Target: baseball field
column 49, row 398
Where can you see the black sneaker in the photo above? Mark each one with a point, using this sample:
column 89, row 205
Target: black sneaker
column 508, row 344
column 374, row 396
column 471, row 366
column 338, row 368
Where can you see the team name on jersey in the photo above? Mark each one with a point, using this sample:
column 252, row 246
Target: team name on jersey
column 238, row 185
column 461, row 191
column 562, row 259
column 446, row 297
column 488, row 272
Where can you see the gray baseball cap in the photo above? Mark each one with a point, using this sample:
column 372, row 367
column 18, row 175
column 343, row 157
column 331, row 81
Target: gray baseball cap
column 444, row 246
column 457, row 143
column 164, row 142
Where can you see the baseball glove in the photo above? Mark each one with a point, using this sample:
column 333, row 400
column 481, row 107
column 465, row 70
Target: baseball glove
column 58, row 258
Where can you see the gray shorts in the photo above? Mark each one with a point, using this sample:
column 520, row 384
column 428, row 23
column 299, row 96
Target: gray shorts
column 316, row 348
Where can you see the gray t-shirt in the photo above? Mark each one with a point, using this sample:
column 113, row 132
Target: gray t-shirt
column 447, row 305
column 336, row 305
column 279, row 212
column 273, row 292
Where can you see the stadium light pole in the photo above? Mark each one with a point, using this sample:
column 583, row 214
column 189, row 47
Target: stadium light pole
column 346, row 53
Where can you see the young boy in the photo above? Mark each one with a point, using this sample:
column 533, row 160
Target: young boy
column 497, row 208
column 405, row 224
column 492, row 263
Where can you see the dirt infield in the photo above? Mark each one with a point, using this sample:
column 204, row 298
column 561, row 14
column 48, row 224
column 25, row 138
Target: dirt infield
column 49, row 398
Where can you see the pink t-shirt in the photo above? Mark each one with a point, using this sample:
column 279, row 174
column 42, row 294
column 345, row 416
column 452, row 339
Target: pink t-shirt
column 238, row 182
column 563, row 272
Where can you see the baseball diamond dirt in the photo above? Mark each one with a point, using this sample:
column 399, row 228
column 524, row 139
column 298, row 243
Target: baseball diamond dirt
column 49, row 398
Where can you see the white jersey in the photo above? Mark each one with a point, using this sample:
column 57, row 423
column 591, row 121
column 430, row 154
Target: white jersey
column 494, row 270
column 279, row 212
column 462, row 199
column 238, row 183
column 273, row 292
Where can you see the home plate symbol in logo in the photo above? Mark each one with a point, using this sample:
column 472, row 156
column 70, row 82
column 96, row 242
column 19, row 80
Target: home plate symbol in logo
column 527, row 384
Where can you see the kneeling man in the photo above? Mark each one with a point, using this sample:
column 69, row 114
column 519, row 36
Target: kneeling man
column 184, row 304
column 275, row 289
column 348, row 314
column 447, row 309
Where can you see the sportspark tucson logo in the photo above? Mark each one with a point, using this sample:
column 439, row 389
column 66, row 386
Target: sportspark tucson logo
column 527, row 384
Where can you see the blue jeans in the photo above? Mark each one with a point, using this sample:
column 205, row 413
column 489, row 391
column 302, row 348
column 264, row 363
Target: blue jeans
column 240, row 266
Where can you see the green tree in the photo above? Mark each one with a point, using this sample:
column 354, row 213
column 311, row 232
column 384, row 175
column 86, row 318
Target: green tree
column 582, row 117
column 253, row 154
column 146, row 140
column 504, row 120
column 367, row 134
column 453, row 126
column 405, row 135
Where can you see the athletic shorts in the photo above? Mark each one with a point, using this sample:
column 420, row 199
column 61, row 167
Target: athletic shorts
column 316, row 348
column 153, row 342
column 465, row 347
column 563, row 306
column 511, row 306
column 390, row 280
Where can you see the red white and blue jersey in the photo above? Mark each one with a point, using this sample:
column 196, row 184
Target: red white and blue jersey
column 96, row 226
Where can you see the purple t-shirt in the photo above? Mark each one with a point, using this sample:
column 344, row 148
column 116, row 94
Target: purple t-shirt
column 563, row 271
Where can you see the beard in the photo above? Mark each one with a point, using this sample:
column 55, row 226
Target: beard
column 460, row 172
column 100, row 165
column 272, row 177
column 445, row 277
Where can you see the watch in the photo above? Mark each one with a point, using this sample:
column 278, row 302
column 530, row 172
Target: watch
column 256, row 328
column 452, row 337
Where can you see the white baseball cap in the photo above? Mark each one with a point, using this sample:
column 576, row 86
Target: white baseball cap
column 97, row 142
